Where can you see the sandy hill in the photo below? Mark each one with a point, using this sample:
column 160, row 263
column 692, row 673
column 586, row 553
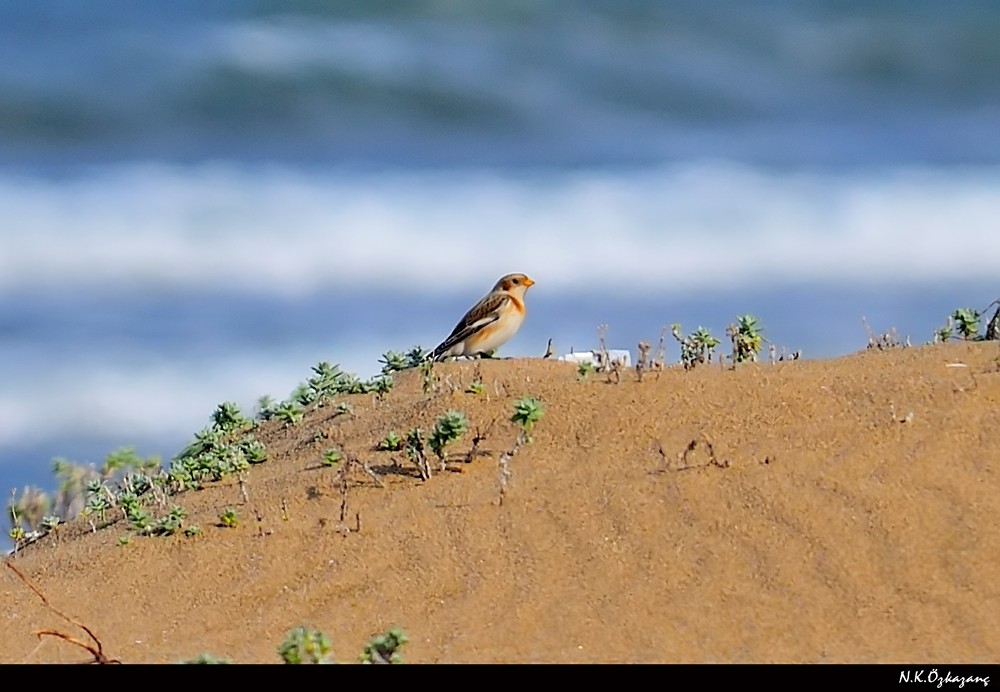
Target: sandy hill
column 816, row 511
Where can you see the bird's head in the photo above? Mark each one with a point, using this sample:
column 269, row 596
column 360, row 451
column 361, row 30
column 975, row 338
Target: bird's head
column 514, row 283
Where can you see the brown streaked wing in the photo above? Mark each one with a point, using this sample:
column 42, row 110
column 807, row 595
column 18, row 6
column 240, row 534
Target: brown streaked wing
column 484, row 312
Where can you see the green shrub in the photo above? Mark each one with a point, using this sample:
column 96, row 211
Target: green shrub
column 392, row 442
column 448, row 428
column 228, row 518
column 527, row 411
column 747, row 338
column 332, row 457
column 304, row 645
column 967, row 323
column 384, row 648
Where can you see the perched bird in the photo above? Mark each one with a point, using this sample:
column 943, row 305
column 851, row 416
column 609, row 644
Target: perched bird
column 490, row 323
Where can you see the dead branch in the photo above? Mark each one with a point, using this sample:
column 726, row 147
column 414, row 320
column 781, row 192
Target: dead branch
column 96, row 649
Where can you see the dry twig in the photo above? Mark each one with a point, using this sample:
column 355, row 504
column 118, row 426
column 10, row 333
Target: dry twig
column 96, row 649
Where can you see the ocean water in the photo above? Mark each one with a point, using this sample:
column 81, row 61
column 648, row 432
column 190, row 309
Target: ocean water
column 201, row 200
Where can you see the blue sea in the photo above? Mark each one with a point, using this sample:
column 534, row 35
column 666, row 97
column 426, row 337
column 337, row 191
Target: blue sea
column 200, row 200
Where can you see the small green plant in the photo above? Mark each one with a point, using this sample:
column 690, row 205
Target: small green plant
column 203, row 659
column 380, row 385
column 228, row 518
column 169, row 524
column 584, row 369
column 225, row 448
column 326, row 381
column 192, row 530
column 967, row 323
column 266, row 406
column 946, row 332
column 205, row 441
column 344, row 408
column 98, row 503
column 697, row 347
column 329, row 380
column 304, row 645
column 138, row 516
column 392, row 442
column 384, row 648
column 227, row 418
column 254, row 451
column 704, row 343
column 124, row 539
column 747, row 338
column 527, row 411
column 475, row 387
column 290, row 412
column 448, row 428
column 415, row 356
column 332, row 457
column 126, row 459
column 218, row 459
column 303, row 396
column 393, row 361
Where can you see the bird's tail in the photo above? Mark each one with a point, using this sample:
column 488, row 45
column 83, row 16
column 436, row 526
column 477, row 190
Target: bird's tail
column 434, row 354
column 440, row 352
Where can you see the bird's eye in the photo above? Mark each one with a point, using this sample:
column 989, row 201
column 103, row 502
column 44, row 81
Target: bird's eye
column 515, row 281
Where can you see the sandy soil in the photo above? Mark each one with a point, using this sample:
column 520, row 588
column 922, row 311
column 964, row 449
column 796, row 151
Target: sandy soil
column 808, row 511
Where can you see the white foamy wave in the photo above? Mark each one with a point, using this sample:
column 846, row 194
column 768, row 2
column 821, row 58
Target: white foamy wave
column 162, row 400
column 285, row 231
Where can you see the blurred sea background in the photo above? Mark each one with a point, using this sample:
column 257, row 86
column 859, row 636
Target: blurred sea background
column 199, row 200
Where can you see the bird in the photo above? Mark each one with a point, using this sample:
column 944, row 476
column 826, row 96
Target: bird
column 490, row 323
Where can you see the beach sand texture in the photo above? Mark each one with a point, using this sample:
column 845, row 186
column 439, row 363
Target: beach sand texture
column 841, row 510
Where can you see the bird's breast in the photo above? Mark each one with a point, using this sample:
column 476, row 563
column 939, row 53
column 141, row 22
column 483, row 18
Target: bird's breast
column 495, row 335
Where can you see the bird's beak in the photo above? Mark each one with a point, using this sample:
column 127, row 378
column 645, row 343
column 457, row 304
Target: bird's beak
column 528, row 282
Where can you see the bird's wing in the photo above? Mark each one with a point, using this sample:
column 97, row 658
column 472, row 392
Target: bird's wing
column 486, row 311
